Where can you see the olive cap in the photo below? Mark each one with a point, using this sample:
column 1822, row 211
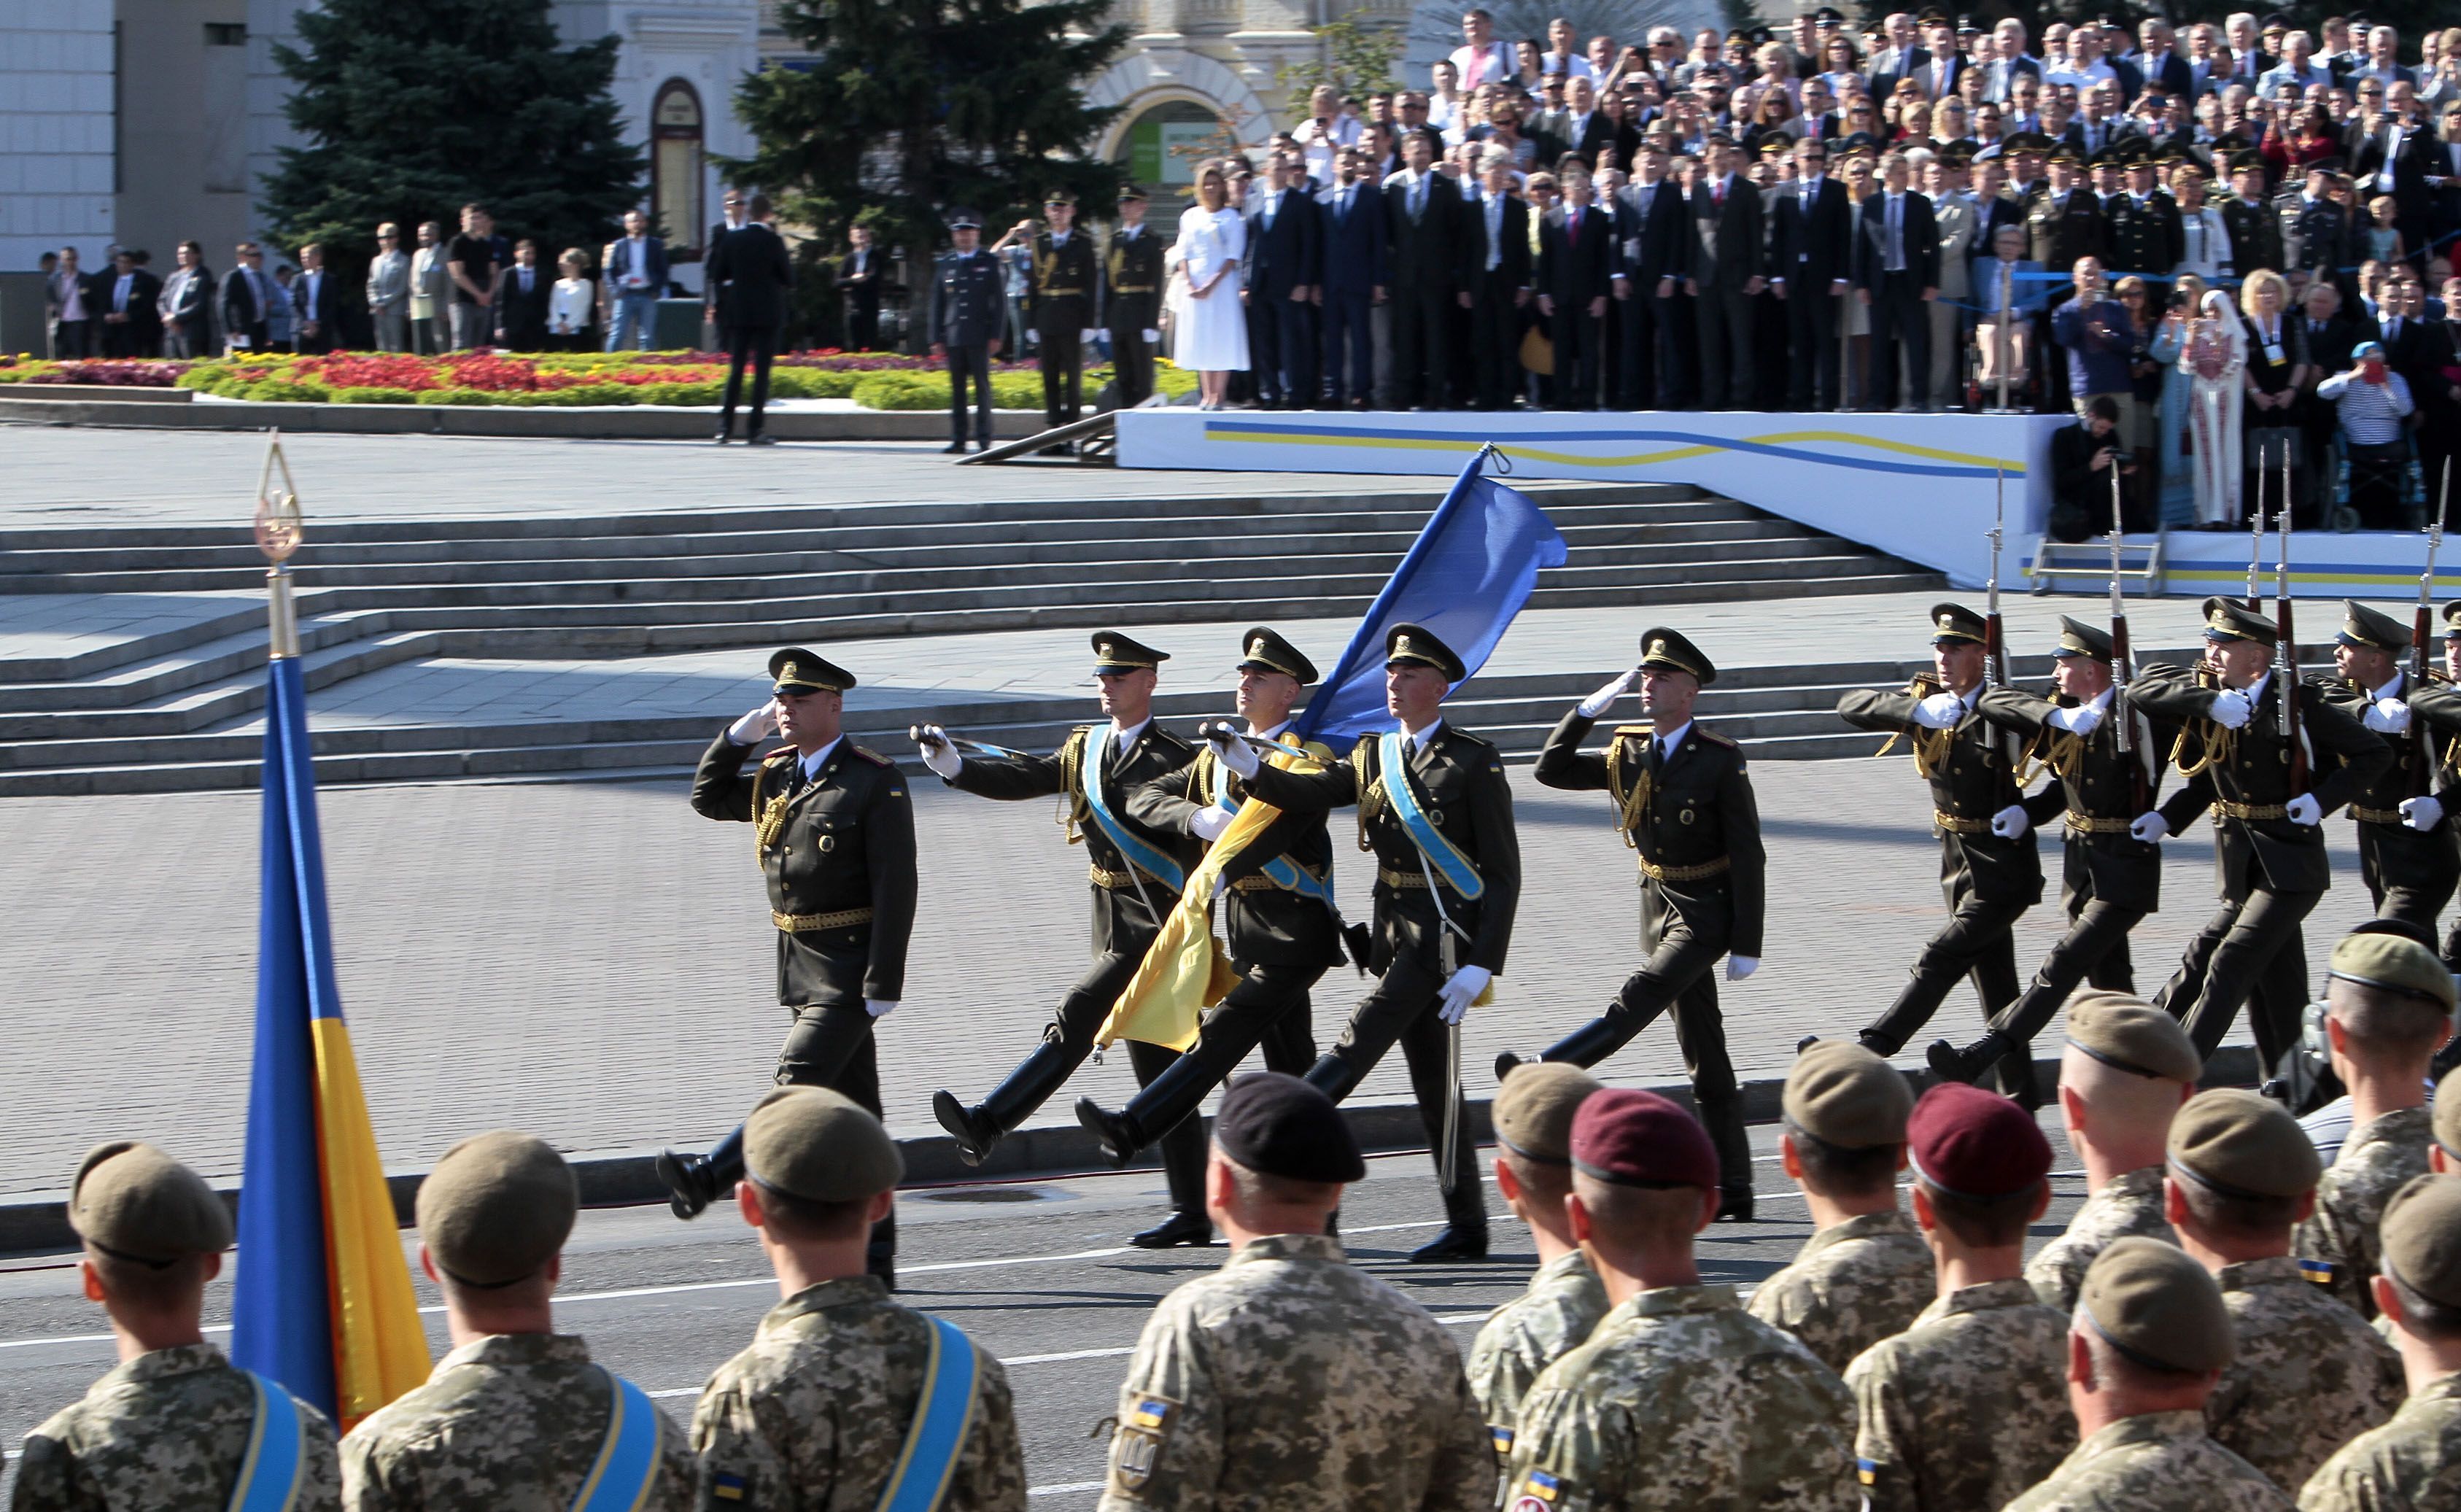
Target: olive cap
column 794, row 669
column 2394, row 962
column 1668, row 651
column 1841, row 1094
column 2370, row 628
column 2156, row 1307
column 2447, row 1123
column 1263, row 649
column 497, row 1207
column 2133, row 1035
column 1279, row 1125
column 1416, row 643
column 1951, row 623
column 819, row 1145
column 2237, row 1143
column 132, row 1201
column 2228, row 620
column 1534, row 1108
column 1117, row 652
column 2421, row 1238
column 2077, row 638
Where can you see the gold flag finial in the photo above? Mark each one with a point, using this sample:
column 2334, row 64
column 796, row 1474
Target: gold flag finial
column 279, row 530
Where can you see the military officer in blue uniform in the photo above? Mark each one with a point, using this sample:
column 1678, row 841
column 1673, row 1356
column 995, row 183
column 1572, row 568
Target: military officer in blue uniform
column 964, row 319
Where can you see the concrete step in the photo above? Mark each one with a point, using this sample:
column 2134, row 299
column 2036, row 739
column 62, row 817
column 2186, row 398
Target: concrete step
column 330, row 659
column 159, row 677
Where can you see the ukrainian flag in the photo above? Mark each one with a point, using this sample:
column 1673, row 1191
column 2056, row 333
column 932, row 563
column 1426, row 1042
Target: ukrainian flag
column 323, row 1302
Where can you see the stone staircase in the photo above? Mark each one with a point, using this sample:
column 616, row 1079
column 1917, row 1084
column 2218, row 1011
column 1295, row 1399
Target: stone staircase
column 174, row 708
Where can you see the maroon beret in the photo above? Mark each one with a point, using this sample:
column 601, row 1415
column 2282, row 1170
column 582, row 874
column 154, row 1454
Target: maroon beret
column 1638, row 1139
column 1969, row 1142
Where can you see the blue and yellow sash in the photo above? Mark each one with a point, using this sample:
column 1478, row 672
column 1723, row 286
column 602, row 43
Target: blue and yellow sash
column 1459, row 872
column 1143, row 856
column 942, row 1416
column 1283, row 872
column 628, row 1459
column 269, row 1473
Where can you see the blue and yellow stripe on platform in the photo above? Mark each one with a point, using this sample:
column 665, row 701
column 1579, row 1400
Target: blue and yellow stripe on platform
column 1902, row 458
column 2336, row 576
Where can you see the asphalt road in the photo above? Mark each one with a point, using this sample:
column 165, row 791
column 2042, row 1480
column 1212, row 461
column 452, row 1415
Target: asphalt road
column 1036, row 1271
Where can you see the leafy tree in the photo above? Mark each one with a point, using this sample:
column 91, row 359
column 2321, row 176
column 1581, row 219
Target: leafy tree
column 1358, row 57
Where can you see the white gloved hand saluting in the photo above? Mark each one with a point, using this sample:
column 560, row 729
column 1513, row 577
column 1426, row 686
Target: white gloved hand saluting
column 1460, row 990
column 1599, row 702
column 1740, row 967
column 2304, row 810
column 1209, row 823
column 748, row 729
column 2422, row 812
column 1940, row 712
column 878, row 1009
column 2082, row 720
column 2229, row 709
column 2011, row 822
column 1233, row 752
column 938, row 753
column 2148, row 827
column 2387, row 717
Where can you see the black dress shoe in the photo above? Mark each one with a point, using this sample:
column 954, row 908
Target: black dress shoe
column 1510, row 1061
column 974, row 1141
column 686, row 1181
column 953, row 449
column 1805, row 1043
column 722, row 439
column 762, row 440
column 1113, row 1132
column 1179, row 1230
column 1950, row 1064
column 1454, row 1243
column 1734, row 1206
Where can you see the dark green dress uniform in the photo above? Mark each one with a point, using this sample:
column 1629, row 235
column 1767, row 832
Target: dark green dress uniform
column 1129, row 905
column 1459, row 783
column 963, row 318
column 1059, row 303
column 2109, row 880
column 836, row 847
column 1132, row 303
column 2142, row 233
column 2439, row 706
column 2061, row 228
column 2410, row 873
column 1692, row 817
column 2269, row 872
column 2254, row 231
column 1988, row 881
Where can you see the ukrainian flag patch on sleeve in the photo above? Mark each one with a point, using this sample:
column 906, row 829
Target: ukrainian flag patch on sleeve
column 1538, row 1492
column 1502, row 1433
column 2318, row 1271
column 1136, row 1450
column 727, row 1486
column 1867, row 1471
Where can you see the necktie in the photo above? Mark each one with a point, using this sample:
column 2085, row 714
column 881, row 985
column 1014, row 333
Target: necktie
column 1573, row 227
column 1718, row 193
column 1417, row 197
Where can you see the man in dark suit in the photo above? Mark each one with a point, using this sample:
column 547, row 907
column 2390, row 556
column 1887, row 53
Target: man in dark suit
column 1653, row 229
column 2157, row 60
column 1353, row 281
column 2333, row 332
column 521, row 294
column 73, row 300
column 1942, row 65
column 316, row 305
column 248, row 293
column 1132, row 298
column 2396, row 158
column 1814, row 241
column 1285, row 257
column 1423, row 224
column 1725, row 274
column 2427, row 353
column 1897, row 273
column 187, row 305
column 131, row 325
column 1575, row 275
column 1499, row 283
column 860, row 274
column 752, row 274
column 2444, row 212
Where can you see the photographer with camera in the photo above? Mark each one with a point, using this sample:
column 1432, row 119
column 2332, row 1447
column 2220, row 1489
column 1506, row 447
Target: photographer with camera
column 2082, row 457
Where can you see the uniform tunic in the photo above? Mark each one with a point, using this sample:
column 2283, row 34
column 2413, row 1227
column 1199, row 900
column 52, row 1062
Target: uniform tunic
column 1968, row 1407
column 2128, row 1203
column 2310, row 1376
column 1852, row 1285
column 2374, row 1163
column 166, row 1430
column 2153, row 1462
column 2411, row 1464
column 1533, row 1331
column 2411, row 874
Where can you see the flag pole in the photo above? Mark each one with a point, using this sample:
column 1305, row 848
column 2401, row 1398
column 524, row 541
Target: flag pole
column 278, row 534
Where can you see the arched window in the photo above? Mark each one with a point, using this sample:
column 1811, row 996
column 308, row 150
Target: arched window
column 675, row 167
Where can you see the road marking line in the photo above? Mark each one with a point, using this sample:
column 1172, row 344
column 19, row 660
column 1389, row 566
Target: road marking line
column 1071, row 1486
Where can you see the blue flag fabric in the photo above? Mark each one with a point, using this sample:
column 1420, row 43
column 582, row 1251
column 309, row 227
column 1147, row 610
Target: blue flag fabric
column 1465, row 578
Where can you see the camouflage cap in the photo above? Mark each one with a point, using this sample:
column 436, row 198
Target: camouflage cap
column 2133, row 1035
column 2156, row 1307
column 819, row 1145
column 497, row 1207
column 2421, row 1237
column 1841, row 1094
column 1534, row 1108
column 132, row 1201
column 2393, row 963
column 2237, row 1143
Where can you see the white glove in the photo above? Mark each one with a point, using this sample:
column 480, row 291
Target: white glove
column 2304, row 810
column 938, row 753
column 2389, row 716
column 1598, row 703
column 1153, row 338
column 878, row 1009
column 1209, row 822
column 2229, row 709
column 749, row 728
column 2148, row 827
column 2082, row 720
column 1085, row 337
column 1033, row 338
column 1740, row 967
column 1940, row 712
column 2422, row 812
column 1233, row 752
column 1460, row 990
column 2011, row 822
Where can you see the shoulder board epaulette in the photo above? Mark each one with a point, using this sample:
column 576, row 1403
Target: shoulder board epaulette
column 1171, row 737
column 1705, row 733
column 782, row 753
column 1319, row 751
column 1635, row 732
column 867, row 754
column 1473, row 739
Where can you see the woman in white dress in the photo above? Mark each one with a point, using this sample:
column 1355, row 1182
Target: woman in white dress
column 1212, row 242
column 2214, row 359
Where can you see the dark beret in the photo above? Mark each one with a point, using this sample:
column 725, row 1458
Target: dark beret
column 819, row 1145
column 1976, row 1144
column 131, row 1200
column 1842, row 1094
column 2157, row 1307
column 2394, row 964
column 1536, row 1107
column 497, row 1207
column 2133, row 1035
column 2421, row 1236
column 1633, row 1137
column 1279, row 1125
column 2239, row 1144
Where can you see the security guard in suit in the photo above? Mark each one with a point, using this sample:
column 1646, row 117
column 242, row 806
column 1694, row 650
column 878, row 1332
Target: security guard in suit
column 1435, row 808
column 1132, row 297
column 1683, row 801
column 964, row 319
column 833, row 831
column 1277, row 911
column 2406, row 850
column 2108, row 879
column 1060, row 305
column 1137, row 869
column 1988, row 869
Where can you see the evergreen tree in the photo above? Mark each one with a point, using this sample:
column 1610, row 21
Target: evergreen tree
column 917, row 106
column 411, row 110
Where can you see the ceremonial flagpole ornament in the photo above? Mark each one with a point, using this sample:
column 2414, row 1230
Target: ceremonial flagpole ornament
column 279, row 531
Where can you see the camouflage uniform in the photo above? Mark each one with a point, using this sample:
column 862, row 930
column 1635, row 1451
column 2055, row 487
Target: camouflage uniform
column 2310, row 1376
column 1290, row 1378
column 167, row 1429
column 2153, row 1462
column 512, row 1422
column 1681, row 1398
column 2413, row 1461
column 814, row 1412
column 2128, row 1203
column 1851, row 1286
column 1533, row 1331
column 2373, row 1164
column 1966, row 1408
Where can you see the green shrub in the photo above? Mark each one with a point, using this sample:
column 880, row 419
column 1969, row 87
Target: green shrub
column 679, row 393
column 283, row 391
column 374, row 395
column 206, row 377
column 903, row 391
column 1175, row 382
column 464, row 396
column 829, row 383
column 793, row 383
column 590, row 393
column 1019, row 390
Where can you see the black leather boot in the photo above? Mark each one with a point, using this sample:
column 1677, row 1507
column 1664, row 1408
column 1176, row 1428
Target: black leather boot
column 981, row 1127
column 1968, row 1065
column 1464, row 1236
column 1724, row 1118
column 2015, row 1074
column 694, row 1182
column 1183, row 1172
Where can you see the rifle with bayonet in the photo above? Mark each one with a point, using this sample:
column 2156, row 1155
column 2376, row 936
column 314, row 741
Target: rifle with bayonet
column 2421, row 629
column 2285, row 646
column 2123, row 732
column 1995, row 642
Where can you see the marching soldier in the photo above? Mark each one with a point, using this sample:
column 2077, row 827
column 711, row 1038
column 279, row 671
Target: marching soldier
column 2109, row 879
column 1060, row 304
column 518, row 1415
column 1989, row 872
column 833, row 833
column 2406, row 851
column 174, row 1424
column 1132, row 298
column 2412, row 1460
column 1534, row 1172
column 1683, row 801
column 818, row 1409
column 1290, row 1378
column 965, row 317
column 2439, row 705
column 1435, row 808
column 1137, row 871
column 2268, row 843
column 1277, row 911
column 2127, row 1069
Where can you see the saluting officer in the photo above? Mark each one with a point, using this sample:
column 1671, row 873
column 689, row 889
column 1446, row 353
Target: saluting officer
column 1060, row 305
column 1137, row 869
column 833, row 833
column 2405, row 848
column 1132, row 298
column 1435, row 808
column 2065, row 224
column 1278, row 908
column 2109, row 879
column 1683, row 801
column 1988, row 869
column 964, row 319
